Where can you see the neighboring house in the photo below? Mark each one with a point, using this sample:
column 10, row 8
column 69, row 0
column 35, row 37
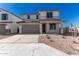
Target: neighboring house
column 8, row 22
column 74, row 29
column 43, row 22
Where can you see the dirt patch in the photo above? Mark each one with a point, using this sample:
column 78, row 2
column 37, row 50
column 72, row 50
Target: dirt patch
column 67, row 44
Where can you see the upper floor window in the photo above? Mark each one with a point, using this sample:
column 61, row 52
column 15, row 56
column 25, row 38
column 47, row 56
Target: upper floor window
column 49, row 14
column 37, row 17
column 52, row 26
column 28, row 16
column 4, row 16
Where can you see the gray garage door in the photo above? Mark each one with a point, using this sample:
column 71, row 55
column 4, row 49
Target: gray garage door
column 2, row 29
column 30, row 29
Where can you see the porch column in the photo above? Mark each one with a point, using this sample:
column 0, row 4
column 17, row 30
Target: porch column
column 41, row 28
column 57, row 28
column 61, row 26
column 47, row 28
column 20, row 28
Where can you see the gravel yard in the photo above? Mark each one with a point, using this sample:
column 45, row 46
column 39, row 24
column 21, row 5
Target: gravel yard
column 67, row 44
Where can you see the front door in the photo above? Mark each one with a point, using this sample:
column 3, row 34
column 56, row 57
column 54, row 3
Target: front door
column 17, row 30
column 43, row 28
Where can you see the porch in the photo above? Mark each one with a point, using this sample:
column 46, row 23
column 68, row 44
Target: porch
column 41, row 27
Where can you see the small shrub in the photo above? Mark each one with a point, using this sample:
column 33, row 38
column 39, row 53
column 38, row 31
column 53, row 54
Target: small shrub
column 64, row 37
column 75, row 42
column 51, row 41
column 48, row 37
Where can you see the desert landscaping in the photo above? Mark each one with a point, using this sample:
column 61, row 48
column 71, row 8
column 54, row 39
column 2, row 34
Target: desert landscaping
column 67, row 44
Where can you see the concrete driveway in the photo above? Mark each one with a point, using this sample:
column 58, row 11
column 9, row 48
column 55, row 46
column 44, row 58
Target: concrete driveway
column 31, row 49
column 26, row 45
column 21, row 39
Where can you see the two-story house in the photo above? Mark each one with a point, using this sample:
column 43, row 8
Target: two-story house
column 44, row 22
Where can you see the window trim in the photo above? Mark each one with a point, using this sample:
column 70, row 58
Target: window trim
column 53, row 26
column 49, row 15
column 4, row 17
column 28, row 16
column 37, row 16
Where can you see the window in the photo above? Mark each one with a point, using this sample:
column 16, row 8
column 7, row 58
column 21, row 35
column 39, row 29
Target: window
column 53, row 26
column 37, row 17
column 49, row 14
column 4, row 16
column 28, row 16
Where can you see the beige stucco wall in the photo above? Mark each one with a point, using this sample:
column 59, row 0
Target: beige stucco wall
column 24, row 16
column 42, row 15
column 56, row 14
column 13, row 27
column 32, row 16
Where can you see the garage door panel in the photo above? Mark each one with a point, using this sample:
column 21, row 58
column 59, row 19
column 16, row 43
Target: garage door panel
column 2, row 29
column 30, row 29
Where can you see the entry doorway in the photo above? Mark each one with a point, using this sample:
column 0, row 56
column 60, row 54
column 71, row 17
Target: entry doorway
column 44, row 28
column 17, row 30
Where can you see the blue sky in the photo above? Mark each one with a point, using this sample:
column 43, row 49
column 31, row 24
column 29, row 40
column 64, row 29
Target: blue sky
column 70, row 11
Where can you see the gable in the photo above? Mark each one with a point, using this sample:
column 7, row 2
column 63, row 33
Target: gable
column 11, row 16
